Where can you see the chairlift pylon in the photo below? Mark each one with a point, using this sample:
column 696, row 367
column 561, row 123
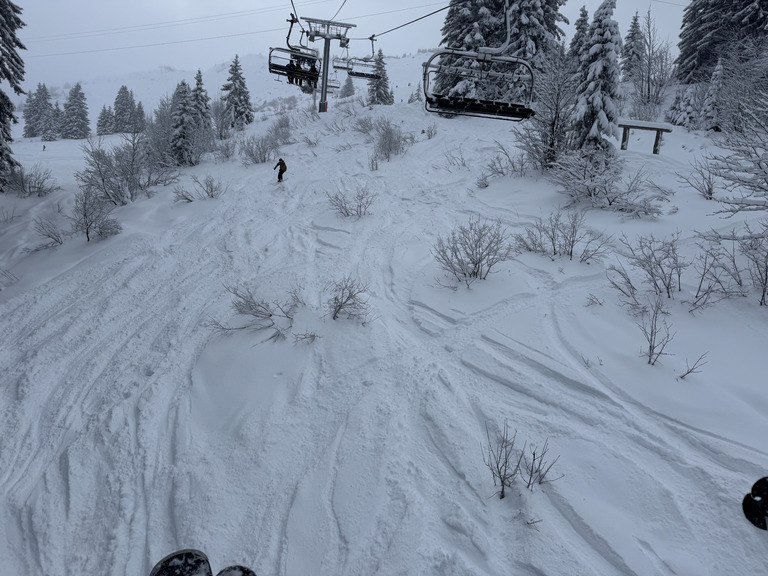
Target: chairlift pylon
column 493, row 85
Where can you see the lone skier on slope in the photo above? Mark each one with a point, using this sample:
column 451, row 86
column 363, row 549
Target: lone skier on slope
column 282, row 170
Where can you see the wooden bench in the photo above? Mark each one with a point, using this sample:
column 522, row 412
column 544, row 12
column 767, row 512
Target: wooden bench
column 627, row 125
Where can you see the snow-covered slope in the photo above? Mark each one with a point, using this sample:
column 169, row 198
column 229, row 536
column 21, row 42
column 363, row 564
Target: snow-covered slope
column 131, row 429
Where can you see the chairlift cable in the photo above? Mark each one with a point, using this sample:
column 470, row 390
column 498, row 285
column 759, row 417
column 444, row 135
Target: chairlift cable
column 339, row 10
column 406, row 24
column 296, row 12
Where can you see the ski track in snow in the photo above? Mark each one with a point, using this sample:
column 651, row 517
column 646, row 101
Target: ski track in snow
column 359, row 453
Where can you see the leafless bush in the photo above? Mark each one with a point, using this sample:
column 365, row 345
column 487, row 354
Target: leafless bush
column 472, row 250
column 390, row 140
column 91, row 214
column 593, row 300
column 348, row 300
column 703, row 178
column 257, row 149
column 653, row 324
column 48, row 229
column 363, row 124
column 431, row 131
column 356, row 205
column 719, row 274
column 563, row 235
column 505, row 163
column 621, row 281
column 311, row 142
column 455, row 158
column 36, row 182
column 659, row 260
column 337, row 127
column 536, row 470
column 259, row 314
column 754, row 246
column 6, row 216
column 373, row 163
column 209, row 188
column 500, row 458
column 696, row 368
column 225, row 150
column 280, row 130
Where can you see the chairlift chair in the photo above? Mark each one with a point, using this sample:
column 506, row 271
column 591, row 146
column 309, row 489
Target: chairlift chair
column 498, row 87
column 483, row 83
column 301, row 57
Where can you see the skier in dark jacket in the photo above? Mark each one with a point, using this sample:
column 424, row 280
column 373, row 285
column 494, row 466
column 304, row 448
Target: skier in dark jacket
column 283, row 168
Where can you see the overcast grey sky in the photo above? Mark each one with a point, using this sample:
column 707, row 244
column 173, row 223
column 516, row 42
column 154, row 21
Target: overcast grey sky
column 71, row 40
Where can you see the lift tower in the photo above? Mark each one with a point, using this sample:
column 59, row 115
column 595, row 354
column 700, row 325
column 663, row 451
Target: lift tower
column 328, row 30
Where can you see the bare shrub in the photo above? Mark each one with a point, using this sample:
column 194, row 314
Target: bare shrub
column 655, row 329
column 257, row 149
column 621, row 281
column 563, row 234
column 48, row 229
column 91, row 214
column 472, row 250
column 719, row 274
column 390, row 140
column 356, row 205
column 659, row 260
column 754, row 246
column 348, row 300
column 455, row 158
column 224, row 150
column 373, row 163
column 280, row 130
column 500, row 458
column 35, row 182
column 311, row 142
column 703, row 178
column 259, row 314
column 536, row 470
column 696, row 368
column 363, row 124
column 505, row 163
column 431, row 131
column 209, row 188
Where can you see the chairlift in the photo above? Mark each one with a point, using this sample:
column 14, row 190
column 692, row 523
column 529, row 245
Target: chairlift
column 482, row 83
column 295, row 62
column 359, row 67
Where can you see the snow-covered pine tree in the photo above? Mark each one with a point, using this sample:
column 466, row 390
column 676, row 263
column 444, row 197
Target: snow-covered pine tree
column 105, row 124
column 237, row 99
column 469, row 25
column 124, row 110
column 74, row 122
column 632, row 50
column 37, row 111
column 378, row 87
column 202, row 112
column 580, row 35
column 184, row 125
column 348, row 88
column 534, row 29
column 711, row 112
column 140, row 121
column 12, row 72
column 50, row 123
column 599, row 78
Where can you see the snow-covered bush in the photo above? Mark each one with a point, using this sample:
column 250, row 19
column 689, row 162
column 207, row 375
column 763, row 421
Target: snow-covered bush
column 257, row 149
column 347, row 299
column 37, row 181
column 91, row 214
column 356, row 205
column 390, row 140
column 472, row 250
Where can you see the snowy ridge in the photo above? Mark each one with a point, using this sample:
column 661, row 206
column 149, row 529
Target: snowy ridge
column 131, row 429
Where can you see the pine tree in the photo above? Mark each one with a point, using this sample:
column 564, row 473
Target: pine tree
column 30, row 130
column 534, row 29
column 469, row 25
column 580, row 36
column 237, row 99
column 74, row 125
column 599, row 78
column 105, row 124
column 711, row 112
column 124, row 110
column 140, row 121
column 378, row 86
column 37, row 111
column 12, row 72
column 201, row 103
column 184, row 124
column 348, row 88
column 50, row 123
column 632, row 50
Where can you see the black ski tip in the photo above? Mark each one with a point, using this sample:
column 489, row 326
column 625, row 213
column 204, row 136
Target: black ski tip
column 236, row 571
column 755, row 504
column 188, row 562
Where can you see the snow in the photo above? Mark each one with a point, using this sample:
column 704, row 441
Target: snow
column 131, row 429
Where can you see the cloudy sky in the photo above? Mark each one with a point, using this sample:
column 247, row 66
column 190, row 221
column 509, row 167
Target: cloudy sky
column 74, row 40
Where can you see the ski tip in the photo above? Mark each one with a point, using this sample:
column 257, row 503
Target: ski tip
column 188, row 562
column 236, row 571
